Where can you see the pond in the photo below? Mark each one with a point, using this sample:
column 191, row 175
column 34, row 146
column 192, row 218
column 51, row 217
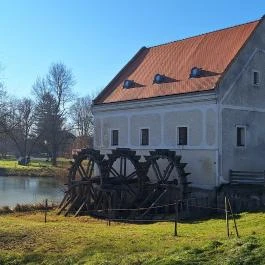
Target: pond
column 30, row 190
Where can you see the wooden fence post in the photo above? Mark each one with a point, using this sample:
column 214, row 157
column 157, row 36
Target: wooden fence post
column 230, row 207
column 227, row 218
column 45, row 211
column 176, row 218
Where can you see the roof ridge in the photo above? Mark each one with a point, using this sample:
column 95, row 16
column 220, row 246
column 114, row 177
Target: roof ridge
column 206, row 33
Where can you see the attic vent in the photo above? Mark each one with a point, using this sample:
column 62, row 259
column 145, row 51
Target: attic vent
column 159, row 78
column 128, row 83
column 195, row 72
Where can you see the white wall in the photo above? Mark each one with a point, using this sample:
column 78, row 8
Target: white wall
column 162, row 118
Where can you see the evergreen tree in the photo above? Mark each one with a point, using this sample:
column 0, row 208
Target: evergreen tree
column 49, row 124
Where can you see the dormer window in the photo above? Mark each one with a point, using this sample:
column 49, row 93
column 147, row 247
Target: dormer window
column 128, row 83
column 195, row 72
column 159, row 79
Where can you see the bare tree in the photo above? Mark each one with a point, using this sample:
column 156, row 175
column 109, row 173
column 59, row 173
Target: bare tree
column 3, row 114
column 3, row 107
column 53, row 93
column 3, row 101
column 16, row 122
column 3, row 145
column 6, row 111
column 40, row 87
column 82, row 117
column 26, row 119
column 60, row 81
column 18, row 125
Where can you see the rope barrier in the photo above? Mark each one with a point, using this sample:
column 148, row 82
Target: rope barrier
column 107, row 210
column 188, row 201
column 142, row 208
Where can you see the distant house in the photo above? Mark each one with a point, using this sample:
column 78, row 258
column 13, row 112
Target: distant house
column 81, row 142
column 202, row 96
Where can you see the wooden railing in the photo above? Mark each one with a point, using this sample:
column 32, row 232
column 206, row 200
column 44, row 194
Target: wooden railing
column 247, row 177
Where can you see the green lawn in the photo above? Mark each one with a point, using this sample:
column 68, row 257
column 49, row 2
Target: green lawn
column 35, row 168
column 26, row 239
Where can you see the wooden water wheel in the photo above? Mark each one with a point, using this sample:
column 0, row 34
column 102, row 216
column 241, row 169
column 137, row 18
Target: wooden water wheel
column 165, row 168
column 84, row 181
column 125, row 178
column 167, row 180
column 119, row 185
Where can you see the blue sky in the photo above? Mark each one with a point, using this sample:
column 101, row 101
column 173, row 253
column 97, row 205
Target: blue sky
column 96, row 38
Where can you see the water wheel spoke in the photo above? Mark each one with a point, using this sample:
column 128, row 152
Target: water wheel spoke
column 157, row 170
column 123, row 198
column 168, row 171
column 90, row 168
column 130, row 176
column 81, row 171
column 125, row 167
column 130, row 189
column 121, row 165
column 92, row 192
column 98, row 201
column 114, row 172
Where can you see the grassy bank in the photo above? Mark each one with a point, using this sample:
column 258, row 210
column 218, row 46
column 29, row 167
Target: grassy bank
column 35, row 168
column 26, row 239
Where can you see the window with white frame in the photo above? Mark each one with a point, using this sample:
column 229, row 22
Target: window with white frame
column 255, row 78
column 145, row 136
column 182, row 135
column 241, row 136
column 114, row 137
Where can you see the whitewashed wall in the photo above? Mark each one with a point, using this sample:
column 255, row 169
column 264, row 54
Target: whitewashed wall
column 162, row 117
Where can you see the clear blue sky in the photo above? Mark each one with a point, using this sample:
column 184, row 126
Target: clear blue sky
column 96, row 38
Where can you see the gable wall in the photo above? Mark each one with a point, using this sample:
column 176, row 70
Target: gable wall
column 242, row 103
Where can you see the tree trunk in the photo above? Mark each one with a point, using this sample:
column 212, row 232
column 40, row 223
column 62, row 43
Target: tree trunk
column 54, row 158
column 54, row 161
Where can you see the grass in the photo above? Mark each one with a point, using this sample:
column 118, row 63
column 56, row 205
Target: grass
column 35, row 168
column 26, row 239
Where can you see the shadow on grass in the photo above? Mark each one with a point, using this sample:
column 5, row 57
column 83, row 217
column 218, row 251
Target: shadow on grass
column 152, row 219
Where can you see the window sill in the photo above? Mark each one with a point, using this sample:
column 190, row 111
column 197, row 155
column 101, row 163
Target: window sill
column 241, row 147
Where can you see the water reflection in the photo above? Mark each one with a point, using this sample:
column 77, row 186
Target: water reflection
column 23, row 190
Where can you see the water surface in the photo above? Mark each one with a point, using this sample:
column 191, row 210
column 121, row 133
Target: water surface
column 25, row 190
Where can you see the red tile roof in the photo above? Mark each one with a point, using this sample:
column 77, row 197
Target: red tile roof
column 213, row 52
